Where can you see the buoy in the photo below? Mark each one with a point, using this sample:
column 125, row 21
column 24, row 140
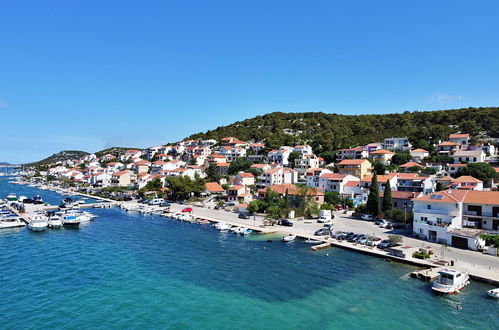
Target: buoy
column 327, row 254
column 458, row 307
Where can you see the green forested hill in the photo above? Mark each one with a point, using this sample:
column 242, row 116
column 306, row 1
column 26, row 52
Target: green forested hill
column 327, row 132
column 60, row 156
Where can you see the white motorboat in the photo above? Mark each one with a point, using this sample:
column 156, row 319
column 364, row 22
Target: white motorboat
column 245, row 231
column 38, row 223
column 289, row 238
column 12, row 197
column 494, row 293
column 311, row 241
column 222, row 226
column 11, row 222
column 450, row 281
column 70, row 220
column 55, row 222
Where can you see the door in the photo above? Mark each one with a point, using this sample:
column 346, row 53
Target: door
column 495, row 224
column 459, row 242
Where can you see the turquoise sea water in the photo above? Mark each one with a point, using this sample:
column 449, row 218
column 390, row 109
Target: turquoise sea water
column 126, row 270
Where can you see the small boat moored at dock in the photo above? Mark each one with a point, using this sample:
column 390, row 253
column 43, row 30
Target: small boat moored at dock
column 38, row 223
column 450, row 281
column 289, row 238
column 70, row 220
column 494, row 293
column 55, row 222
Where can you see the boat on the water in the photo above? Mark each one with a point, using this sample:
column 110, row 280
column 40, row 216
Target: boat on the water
column 494, row 293
column 450, row 281
column 54, row 222
column 70, row 220
column 289, row 238
column 11, row 197
column 245, row 231
column 38, row 223
column 311, row 241
column 11, row 222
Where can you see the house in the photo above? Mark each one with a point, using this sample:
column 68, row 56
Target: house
column 402, row 199
column 294, row 193
column 279, row 156
column 382, row 155
column 352, row 153
column 232, row 153
column 397, row 143
column 262, row 167
column 313, row 176
column 208, row 142
column 257, row 148
column 453, row 168
column 223, row 168
column 152, row 151
column 123, row 178
column 460, row 139
column 390, row 178
column 469, row 156
column 244, row 179
column 141, row 166
column 102, row 179
column 213, row 188
column 356, row 167
column 277, row 175
column 456, row 217
column 114, row 167
column 307, row 162
column 226, row 141
column 130, row 154
column 419, row 154
column 107, row 157
column 238, row 193
column 414, row 182
column 305, row 150
column 335, row 182
column 410, row 165
column 163, row 157
column 467, row 182
column 216, row 158
column 447, row 148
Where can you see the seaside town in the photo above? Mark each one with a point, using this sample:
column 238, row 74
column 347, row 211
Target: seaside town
column 419, row 200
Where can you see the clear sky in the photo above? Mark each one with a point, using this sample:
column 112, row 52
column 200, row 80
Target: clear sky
column 85, row 75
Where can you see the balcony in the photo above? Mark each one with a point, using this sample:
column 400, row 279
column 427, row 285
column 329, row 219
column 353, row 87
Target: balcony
column 484, row 214
column 437, row 211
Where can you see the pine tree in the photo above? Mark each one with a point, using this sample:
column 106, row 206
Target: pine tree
column 373, row 206
column 387, row 198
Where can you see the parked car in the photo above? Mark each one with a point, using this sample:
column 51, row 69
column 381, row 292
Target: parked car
column 156, row 201
column 362, row 239
column 243, row 216
column 384, row 224
column 230, row 204
column 165, row 204
column 385, row 244
column 345, row 235
column 374, row 241
column 285, row 222
column 353, row 238
column 367, row 217
column 328, row 226
column 379, row 221
column 322, row 232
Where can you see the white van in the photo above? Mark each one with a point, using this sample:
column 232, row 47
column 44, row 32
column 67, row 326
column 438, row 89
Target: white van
column 156, row 201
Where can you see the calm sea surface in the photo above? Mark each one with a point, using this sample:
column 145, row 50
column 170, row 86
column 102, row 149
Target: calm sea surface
column 126, row 270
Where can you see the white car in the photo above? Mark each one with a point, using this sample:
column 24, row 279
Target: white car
column 367, row 217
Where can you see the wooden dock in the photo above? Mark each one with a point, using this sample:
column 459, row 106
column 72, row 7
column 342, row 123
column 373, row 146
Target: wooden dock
column 428, row 274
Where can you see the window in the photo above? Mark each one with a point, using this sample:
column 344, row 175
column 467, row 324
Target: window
column 424, row 219
column 421, row 231
column 428, row 207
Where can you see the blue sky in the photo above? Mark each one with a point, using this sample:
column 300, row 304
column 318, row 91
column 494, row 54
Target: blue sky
column 85, row 75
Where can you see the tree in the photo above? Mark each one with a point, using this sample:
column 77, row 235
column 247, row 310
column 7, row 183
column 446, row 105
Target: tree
column 481, row 171
column 379, row 167
column 440, row 186
column 373, row 197
column 212, row 173
column 401, row 158
column 332, row 197
column 387, row 198
column 291, row 158
column 239, row 165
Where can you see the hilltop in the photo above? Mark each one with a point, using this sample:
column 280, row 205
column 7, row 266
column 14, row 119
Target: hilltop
column 328, row 132
column 60, row 156
column 116, row 151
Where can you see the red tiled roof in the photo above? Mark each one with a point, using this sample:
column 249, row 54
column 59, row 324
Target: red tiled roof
column 458, row 136
column 411, row 164
column 353, row 161
column 213, row 187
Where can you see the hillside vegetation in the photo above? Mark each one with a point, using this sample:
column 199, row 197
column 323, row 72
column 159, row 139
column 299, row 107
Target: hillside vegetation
column 116, row 151
column 328, row 132
column 61, row 156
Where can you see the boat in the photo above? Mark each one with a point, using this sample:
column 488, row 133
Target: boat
column 55, row 222
column 450, row 281
column 289, row 238
column 311, row 241
column 11, row 222
column 494, row 293
column 203, row 222
column 222, row 226
column 11, row 197
column 70, row 220
column 245, row 231
column 38, row 223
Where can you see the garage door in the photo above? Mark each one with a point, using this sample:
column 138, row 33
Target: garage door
column 459, row 242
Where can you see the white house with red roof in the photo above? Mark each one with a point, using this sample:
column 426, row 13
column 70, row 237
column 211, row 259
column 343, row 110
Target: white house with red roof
column 256, row 147
column 463, row 140
column 239, row 193
column 335, row 182
column 244, row 179
column 130, row 154
column 352, row 153
column 469, row 156
column 382, row 155
column 419, row 154
column 313, row 176
column 277, row 175
column 280, row 156
column 124, row 178
column 303, row 149
column 232, row 153
column 466, row 182
column 305, row 163
column 114, row 167
column 101, row 179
